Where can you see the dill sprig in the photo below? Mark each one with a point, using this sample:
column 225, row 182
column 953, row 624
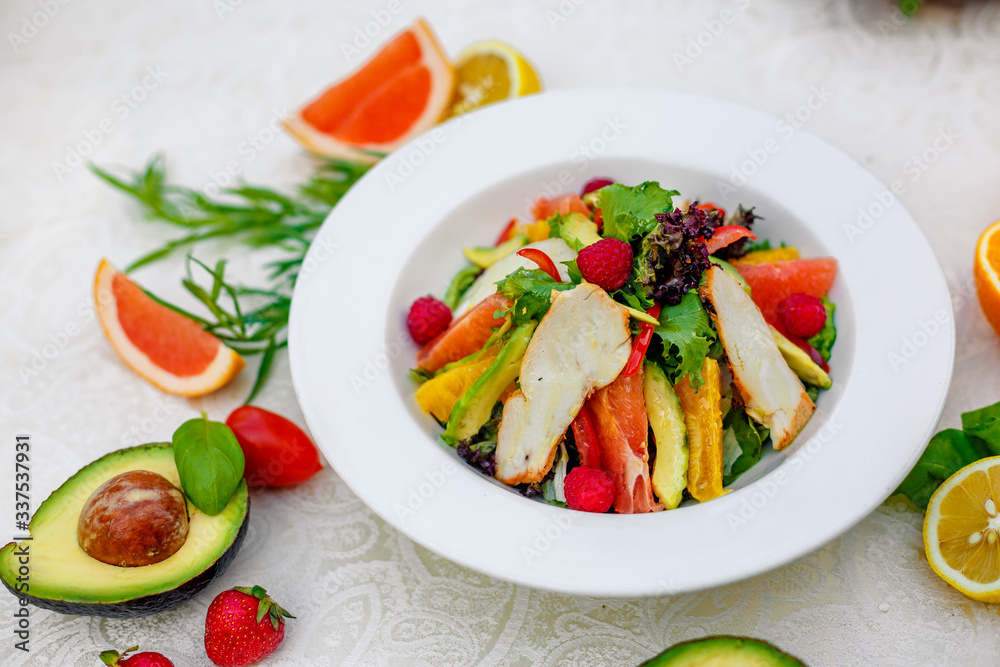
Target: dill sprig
column 250, row 320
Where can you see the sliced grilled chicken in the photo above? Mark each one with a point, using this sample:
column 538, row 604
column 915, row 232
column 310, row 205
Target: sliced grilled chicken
column 581, row 345
column 773, row 394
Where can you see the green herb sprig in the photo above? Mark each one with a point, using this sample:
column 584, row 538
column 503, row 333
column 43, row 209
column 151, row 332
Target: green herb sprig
column 250, row 320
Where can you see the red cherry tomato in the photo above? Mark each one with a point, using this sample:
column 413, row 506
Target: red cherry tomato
column 277, row 452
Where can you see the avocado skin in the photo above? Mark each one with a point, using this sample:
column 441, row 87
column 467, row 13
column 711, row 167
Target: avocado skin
column 148, row 604
column 736, row 649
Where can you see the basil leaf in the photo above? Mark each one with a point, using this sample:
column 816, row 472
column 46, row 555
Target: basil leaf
column 984, row 424
column 948, row 452
column 210, row 463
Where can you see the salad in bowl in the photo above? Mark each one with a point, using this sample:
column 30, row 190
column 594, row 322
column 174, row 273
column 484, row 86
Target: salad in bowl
column 620, row 352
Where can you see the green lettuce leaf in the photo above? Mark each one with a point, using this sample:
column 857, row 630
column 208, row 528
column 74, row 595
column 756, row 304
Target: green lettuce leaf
column 827, row 336
column 629, row 212
column 531, row 292
column 686, row 335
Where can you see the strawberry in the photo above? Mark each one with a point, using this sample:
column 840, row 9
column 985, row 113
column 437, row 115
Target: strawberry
column 243, row 625
column 144, row 659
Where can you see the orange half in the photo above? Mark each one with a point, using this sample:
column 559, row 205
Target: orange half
column 402, row 91
column 162, row 346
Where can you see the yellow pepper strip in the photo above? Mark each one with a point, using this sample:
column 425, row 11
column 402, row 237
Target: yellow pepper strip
column 772, row 255
column 438, row 395
column 703, row 419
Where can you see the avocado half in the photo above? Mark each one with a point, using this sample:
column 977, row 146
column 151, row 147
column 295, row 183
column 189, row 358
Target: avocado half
column 724, row 651
column 63, row 578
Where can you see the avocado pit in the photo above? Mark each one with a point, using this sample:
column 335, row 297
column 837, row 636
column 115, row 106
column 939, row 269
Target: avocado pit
column 133, row 519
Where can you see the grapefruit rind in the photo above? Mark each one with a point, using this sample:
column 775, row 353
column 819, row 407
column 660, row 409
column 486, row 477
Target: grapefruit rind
column 223, row 368
column 984, row 592
column 442, row 83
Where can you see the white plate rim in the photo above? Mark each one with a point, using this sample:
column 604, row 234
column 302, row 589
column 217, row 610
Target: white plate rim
column 490, row 530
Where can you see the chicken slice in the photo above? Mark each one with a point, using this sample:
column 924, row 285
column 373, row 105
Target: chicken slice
column 581, row 345
column 773, row 394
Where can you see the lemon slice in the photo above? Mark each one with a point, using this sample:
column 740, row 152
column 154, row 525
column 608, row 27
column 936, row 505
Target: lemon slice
column 962, row 530
column 488, row 72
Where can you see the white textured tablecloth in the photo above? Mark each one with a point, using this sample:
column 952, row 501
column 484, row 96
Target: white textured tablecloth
column 915, row 101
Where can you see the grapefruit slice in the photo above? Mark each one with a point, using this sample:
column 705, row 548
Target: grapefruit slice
column 771, row 282
column 165, row 348
column 464, row 336
column 402, row 91
column 545, row 208
column 619, row 412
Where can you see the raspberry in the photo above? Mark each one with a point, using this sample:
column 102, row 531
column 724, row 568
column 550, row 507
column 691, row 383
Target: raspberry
column 589, row 489
column 595, row 184
column 428, row 317
column 803, row 314
column 607, row 263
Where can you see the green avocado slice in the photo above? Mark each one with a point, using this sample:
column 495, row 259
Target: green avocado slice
column 63, row 577
column 474, row 408
column 724, row 651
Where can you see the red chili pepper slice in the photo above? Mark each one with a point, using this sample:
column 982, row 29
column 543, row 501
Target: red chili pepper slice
column 507, row 233
column 709, row 206
column 543, row 261
column 725, row 235
column 641, row 342
column 585, row 434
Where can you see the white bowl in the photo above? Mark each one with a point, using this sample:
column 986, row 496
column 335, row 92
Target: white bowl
column 397, row 235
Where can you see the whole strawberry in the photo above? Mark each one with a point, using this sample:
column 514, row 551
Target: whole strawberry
column 144, row 659
column 243, row 625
